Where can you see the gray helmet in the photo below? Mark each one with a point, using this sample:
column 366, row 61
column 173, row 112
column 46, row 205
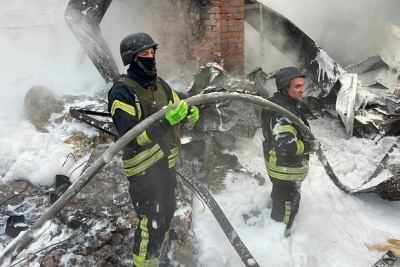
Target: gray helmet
column 285, row 75
column 134, row 43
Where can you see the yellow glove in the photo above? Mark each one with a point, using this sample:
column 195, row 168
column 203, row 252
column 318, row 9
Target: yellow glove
column 194, row 114
column 176, row 115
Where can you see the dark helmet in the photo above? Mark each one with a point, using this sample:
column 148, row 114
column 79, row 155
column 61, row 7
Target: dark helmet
column 134, row 43
column 285, row 75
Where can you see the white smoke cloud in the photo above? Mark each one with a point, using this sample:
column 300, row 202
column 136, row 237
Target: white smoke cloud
column 349, row 31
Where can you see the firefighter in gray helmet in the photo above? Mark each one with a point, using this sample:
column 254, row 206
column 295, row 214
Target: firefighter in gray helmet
column 148, row 160
column 285, row 75
column 286, row 152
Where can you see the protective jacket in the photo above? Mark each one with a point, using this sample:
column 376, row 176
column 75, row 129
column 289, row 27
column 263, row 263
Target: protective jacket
column 129, row 104
column 286, row 153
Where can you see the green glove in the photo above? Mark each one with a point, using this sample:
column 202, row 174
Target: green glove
column 194, row 114
column 176, row 115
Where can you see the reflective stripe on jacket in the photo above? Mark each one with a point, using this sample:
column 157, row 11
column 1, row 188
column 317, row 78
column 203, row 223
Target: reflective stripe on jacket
column 286, row 153
column 134, row 101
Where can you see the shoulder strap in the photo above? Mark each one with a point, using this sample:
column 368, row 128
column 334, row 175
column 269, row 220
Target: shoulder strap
column 134, row 85
column 129, row 82
column 167, row 88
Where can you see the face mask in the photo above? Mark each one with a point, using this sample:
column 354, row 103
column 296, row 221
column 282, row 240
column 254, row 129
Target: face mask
column 149, row 65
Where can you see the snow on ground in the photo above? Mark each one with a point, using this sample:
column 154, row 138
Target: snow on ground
column 331, row 228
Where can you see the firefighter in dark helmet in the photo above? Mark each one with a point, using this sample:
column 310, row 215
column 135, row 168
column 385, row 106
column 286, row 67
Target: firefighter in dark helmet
column 149, row 160
column 286, row 152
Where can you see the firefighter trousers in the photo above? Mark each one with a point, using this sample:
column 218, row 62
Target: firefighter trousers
column 153, row 197
column 285, row 202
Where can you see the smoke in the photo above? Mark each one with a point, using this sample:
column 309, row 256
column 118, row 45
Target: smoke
column 122, row 18
column 349, row 31
column 37, row 45
column 153, row 17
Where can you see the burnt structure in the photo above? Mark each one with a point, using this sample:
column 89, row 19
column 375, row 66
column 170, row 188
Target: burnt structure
column 203, row 31
column 195, row 33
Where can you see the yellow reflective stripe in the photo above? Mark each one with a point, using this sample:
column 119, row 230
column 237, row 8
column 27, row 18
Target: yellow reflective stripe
column 288, row 211
column 141, row 156
column 287, row 177
column 139, row 110
column 175, row 97
column 166, row 237
column 140, row 260
column 173, row 157
column 272, row 158
column 171, row 163
column 144, row 235
column 123, row 106
column 300, row 147
column 174, row 153
column 145, row 164
column 143, row 139
column 287, row 173
column 278, row 129
column 288, row 170
column 283, row 129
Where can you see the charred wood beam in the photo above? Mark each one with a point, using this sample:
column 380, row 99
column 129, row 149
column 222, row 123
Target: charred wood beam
column 83, row 18
column 322, row 71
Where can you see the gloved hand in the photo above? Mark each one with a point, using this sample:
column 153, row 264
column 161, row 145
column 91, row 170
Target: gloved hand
column 176, row 115
column 314, row 145
column 194, row 114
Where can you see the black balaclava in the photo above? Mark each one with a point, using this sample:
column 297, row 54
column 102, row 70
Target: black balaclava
column 143, row 70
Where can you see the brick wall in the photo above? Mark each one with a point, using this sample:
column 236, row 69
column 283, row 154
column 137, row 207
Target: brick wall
column 222, row 38
column 194, row 32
